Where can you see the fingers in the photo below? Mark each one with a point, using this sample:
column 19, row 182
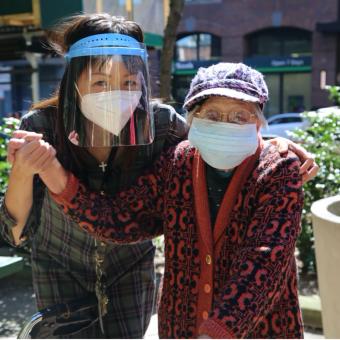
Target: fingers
column 19, row 133
column 23, row 156
column 301, row 152
column 42, row 157
column 13, row 145
column 29, row 135
column 310, row 173
column 306, row 165
column 281, row 143
column 45, row 160
column 309, row 168
column 29, row 147
column 32, row 158
column 37, row 153
column 313, row 172
column 19, row 139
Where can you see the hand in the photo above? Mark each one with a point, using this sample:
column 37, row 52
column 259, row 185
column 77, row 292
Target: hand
column 74, row 137
column 19, row 139
column 33, row 157
column 309, row 168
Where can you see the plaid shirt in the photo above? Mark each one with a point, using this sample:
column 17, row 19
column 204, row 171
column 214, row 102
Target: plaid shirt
column 64, row 256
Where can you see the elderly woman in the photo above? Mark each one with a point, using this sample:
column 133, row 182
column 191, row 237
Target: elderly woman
column 230, row 206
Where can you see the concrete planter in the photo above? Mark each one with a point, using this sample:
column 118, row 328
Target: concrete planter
column 326, row 225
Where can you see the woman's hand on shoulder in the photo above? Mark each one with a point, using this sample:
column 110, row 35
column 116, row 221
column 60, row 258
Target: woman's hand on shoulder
column 309, row 168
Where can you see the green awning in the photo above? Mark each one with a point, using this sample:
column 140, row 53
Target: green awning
column 53, row 11
column 185, row 72
column 284, row 69
column 152, row 39
column 10, row 7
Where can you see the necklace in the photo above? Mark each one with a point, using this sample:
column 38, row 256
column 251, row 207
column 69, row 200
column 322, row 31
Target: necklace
column 103, row 166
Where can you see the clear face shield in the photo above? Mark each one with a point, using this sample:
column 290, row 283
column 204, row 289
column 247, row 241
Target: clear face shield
column 107, row 92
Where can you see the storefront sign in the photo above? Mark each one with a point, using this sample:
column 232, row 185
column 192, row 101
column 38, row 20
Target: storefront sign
column 272, row 64
column 180, row 67
column 288, row 62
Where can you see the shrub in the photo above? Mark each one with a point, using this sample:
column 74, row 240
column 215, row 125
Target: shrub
column 334, row 94
column 322, row 139
column 6, row 129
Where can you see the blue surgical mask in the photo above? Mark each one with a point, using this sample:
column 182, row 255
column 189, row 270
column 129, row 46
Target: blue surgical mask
column 223, row 145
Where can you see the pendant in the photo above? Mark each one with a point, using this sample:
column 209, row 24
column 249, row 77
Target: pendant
column 103, row 166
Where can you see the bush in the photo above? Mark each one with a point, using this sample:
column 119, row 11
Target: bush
column 322, row 139
column 6, row 129
column 334, row 94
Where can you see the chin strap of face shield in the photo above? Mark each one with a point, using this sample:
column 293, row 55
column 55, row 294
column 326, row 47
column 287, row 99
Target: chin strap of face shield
column 107, row 44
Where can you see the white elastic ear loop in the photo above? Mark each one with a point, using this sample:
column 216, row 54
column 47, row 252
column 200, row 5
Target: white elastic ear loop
column 77, row 89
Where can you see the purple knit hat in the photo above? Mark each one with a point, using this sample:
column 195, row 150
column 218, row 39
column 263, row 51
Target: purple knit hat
column 231, row 80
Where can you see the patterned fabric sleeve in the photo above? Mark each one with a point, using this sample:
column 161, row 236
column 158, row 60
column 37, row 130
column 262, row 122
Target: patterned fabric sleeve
column 129, row 217
column 7, row 222
column 262, row 265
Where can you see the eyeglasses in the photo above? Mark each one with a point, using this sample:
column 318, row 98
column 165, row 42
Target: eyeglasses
column 241, row 117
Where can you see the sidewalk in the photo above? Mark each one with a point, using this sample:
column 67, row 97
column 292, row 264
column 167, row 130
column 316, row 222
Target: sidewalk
column 152, row 332
column 17, row 305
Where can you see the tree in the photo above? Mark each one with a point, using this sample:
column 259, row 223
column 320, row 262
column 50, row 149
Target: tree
column 174, row 18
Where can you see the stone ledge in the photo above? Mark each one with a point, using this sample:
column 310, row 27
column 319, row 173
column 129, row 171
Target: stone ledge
column 311, row 310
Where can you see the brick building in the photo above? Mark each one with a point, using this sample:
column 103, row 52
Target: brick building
column 296, row 44
column 30, row 72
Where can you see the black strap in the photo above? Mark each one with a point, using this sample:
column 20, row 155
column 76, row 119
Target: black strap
column 62, row 319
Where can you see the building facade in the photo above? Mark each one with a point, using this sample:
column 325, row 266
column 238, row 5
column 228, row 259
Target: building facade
column 295, row 44
column 29, row 71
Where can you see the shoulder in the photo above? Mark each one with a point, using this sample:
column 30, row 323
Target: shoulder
column 272, row 165
column 40, row 119
column 164, row 113
column 170, row 127
column 159, row 107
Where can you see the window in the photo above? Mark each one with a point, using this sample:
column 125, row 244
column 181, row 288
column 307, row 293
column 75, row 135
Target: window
column 198, row 46
column 285, row 120
column 283, row 54
column 280, row 42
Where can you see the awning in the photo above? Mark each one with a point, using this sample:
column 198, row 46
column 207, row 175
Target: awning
column 153, row 40
column 329, row 27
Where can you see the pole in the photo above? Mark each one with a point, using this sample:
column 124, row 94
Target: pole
column 129, row 9
column 99, row 6
column 33, row 59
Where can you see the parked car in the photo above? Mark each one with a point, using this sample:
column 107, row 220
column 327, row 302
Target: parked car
column 324, row 111
column 280, row 124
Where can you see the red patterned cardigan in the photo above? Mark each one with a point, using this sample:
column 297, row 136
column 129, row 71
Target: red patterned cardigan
column 235, row 280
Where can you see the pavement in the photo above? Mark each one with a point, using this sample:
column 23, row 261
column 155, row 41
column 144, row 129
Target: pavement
column 17, row 305
column 152, row 332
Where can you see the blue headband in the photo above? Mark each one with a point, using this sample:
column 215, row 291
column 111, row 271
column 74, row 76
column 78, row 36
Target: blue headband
column 107, row 44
